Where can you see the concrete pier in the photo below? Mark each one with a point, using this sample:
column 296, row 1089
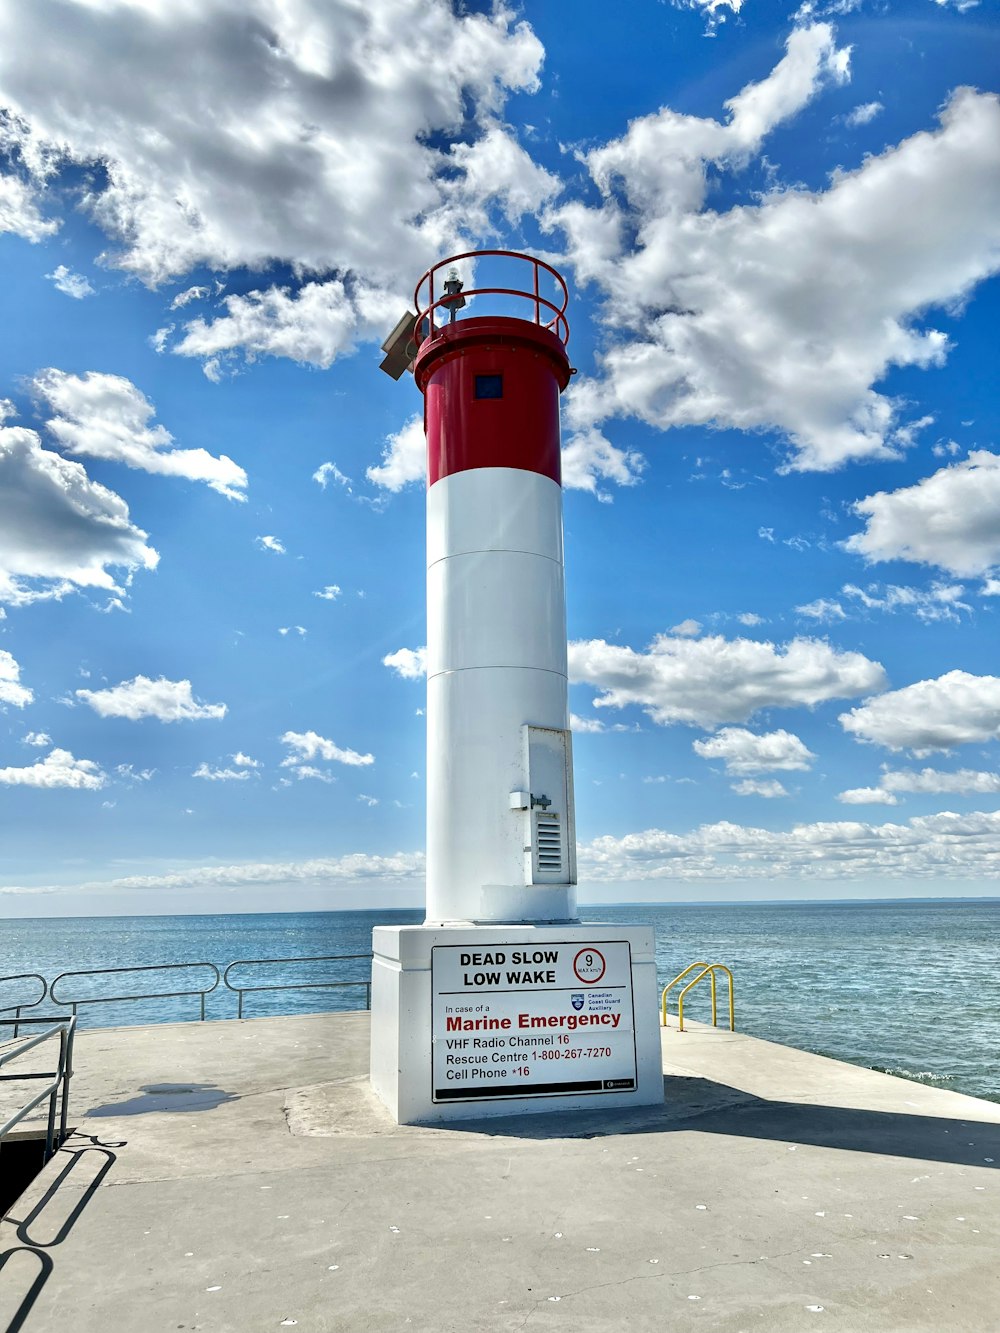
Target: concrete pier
column 239, row 1176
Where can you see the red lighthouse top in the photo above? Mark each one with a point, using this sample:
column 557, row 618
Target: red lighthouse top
column 491, row 382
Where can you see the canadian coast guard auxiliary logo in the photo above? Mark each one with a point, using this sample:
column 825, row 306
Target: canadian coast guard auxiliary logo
column 577, row 1001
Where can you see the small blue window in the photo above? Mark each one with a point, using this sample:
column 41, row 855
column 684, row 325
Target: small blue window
column 489, row 386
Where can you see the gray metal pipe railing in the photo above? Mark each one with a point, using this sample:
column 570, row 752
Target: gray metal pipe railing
column 28, row 1004
column 300, row 985
column 75, row 1002
column 65, row 1026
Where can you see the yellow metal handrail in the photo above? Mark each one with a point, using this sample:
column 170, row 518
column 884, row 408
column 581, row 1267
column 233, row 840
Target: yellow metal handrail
column 669, row 987
column 708, row 970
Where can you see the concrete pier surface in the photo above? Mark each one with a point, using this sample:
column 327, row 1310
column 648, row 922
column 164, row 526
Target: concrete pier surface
column 236, row 1177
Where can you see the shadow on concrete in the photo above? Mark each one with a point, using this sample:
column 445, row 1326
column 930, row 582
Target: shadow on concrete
column 698, row 1105
column 168, row 1097
column 40, row 1264
column 54, row 1211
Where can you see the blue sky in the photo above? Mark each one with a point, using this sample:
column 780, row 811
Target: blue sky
column 781, row 229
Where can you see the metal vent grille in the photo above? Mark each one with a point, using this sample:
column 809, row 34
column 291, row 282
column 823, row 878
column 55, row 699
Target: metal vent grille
column 548, row 844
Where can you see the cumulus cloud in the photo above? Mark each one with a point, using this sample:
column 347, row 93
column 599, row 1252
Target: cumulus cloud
column 867, row 796
column 19, row 211
column 57, row 769
column 710, row 681
column 962, row 781
column 744, row 752
column 588, row 459
column 315, row 324
column 11, row 690
column 330, row 593
column 166, row 700
column 244, row 761
column 785, row 313
column 410, row 663
column 59, row 531
column 769, row 788
column 70, row 283
column 950, row 519
column 307, row 745
column 404, row 458
column 955, row 709
column 332, row 138
column 37, row 738
column 106, row 416
column 271, row 543
column 931, row 847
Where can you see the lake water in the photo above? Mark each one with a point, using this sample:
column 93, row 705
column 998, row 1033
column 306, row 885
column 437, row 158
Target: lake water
column 910, row 988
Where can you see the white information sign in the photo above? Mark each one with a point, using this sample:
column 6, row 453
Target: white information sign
column 537, row 1020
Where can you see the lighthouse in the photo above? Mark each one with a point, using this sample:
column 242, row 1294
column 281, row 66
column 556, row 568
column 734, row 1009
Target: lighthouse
column 501, row 1002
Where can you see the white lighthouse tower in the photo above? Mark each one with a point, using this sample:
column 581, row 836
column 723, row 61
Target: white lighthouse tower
column 501, row 1002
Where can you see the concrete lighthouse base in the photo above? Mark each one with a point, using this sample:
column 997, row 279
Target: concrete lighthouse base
column 473, row 1021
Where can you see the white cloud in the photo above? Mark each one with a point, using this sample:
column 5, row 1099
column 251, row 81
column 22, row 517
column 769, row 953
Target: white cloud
column 783, row 314
column 863, row 114
column 221, row 774
column 352, row 868
column 867, row 796
column 710, row 681
column 306, row 771
column 270, row 543
column 70, row 283
column 315, row 324
column 368, row 800
column 767, row 787
column 19, row 211
column 404, row 458
column 823, row 609
column 244, row 761
column 588, row 458
column 309, row 133
column 57, row 769
column 962, row 781
column 930, row 847
column 327, row 472
column 106, row 416
column 300, row 630
column 130, row 774
column 167, row 700
column 330, row 593
column 941, row 601
column 950, row 519
column 586, row 725
column 960, row 5
column 687, row 629
column 744, row 752
column 190, row 294
column 955, row 709
column 305, row 745
column 410, row 663
column 37, row 738
column 11, row 689
column 59, row 530
column 750, row 618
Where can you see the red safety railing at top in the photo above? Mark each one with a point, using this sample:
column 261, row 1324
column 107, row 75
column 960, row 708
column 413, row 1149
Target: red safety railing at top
column 425, row 323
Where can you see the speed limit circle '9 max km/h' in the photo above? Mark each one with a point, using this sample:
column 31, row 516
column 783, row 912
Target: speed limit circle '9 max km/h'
column 589, row 966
